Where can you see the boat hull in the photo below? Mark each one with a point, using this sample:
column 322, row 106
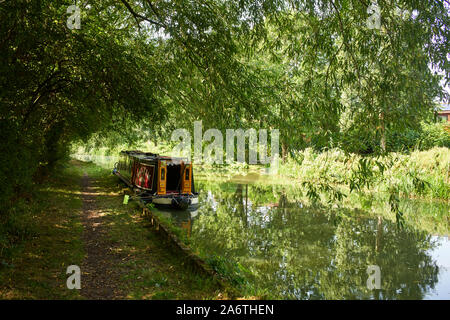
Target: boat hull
column 173, row 201
column 176, row 202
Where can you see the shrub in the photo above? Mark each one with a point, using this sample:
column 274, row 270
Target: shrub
column 425, row 137
column 434, row 135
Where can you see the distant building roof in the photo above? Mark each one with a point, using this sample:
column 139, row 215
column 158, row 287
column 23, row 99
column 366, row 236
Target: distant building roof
column 445, row 107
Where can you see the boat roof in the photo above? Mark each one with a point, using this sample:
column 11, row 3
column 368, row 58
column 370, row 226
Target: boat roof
column 151, row 156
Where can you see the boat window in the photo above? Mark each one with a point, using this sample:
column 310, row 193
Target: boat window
column 187, row 175
column 163, row 173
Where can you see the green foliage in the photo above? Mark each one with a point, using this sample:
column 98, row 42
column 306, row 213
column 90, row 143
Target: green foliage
column 230, row 270
column 420, row 173
column 298, row 251
column 426, row 136
column 312, row 69
column 162, row 295
column 42, row 233
column 394, row 202
column 59, row 85
column 434, row 135
column 180, row 233
column 16, row 227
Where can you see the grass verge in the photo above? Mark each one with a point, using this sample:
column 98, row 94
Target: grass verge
column 45, row 238
column 47, row 241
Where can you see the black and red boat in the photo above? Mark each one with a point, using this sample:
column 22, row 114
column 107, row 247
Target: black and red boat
column 163, row 181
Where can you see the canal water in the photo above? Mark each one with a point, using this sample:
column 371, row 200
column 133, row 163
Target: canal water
column 294, row 250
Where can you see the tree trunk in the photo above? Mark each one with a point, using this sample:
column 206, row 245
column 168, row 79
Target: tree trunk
column 383, row 133
column 284, row 151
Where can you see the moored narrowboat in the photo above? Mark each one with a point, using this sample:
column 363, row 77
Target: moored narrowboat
column 163, row 181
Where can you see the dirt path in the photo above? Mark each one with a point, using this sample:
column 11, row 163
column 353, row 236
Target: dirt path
column 124, row 258
column 99, row 277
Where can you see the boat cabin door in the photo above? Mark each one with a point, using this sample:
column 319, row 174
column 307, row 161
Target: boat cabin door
column 186, row 179
column 162, row 177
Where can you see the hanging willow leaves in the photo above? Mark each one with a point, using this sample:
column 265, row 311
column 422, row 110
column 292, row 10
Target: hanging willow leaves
column 312, row 69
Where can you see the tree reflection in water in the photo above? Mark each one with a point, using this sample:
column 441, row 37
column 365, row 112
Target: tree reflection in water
column 305, row 252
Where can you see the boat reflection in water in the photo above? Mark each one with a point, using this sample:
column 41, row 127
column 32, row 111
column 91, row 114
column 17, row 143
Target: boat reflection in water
column 181, row 218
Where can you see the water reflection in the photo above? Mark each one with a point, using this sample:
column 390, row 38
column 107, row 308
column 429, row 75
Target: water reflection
column 441, row 254
column 297, row 251
column 301, row 252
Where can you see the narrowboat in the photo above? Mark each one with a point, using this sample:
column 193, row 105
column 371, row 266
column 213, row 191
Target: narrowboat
column 163, row 181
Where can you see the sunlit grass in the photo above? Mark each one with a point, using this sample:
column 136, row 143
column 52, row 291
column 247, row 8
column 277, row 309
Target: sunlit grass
column 37, row 265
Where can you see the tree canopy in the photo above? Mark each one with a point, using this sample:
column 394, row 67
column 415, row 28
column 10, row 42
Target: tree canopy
column 313, row 69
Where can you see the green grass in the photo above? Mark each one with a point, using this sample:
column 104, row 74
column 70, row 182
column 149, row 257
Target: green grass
column 180, row 233
column 45, row 237
column 48, row 233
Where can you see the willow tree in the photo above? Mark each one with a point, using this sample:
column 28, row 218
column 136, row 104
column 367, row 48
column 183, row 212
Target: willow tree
column 237, row 63
column 316, row 66
column 60, row 84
